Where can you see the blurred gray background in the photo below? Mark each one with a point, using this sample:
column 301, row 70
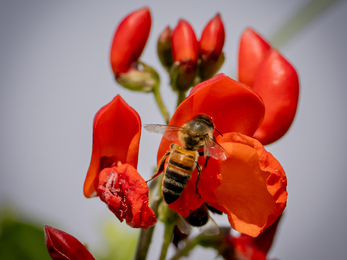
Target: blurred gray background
column 55, row 75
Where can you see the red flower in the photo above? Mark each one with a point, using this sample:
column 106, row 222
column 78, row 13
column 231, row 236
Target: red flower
column 212, row 37
column 274, row 79
column 184, row 42
column 130, row 40
column 250, row 185
column 112, row 172
column 63, row 246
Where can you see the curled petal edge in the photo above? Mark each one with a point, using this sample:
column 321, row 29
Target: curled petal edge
column 253, row 190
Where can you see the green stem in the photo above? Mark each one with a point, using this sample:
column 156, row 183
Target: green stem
column 181, row 97
column 190, row 245
column 169, row 227
column 161, row 104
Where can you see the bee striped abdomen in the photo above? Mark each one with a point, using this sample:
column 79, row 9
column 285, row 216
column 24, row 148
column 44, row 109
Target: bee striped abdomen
column 179, row 170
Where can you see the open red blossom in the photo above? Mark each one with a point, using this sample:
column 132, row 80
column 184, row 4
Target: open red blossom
column 129, row 40
column 112, row 173
column 63, row 246
column 126, row 194
column 250, row 185
column 274, row 79
column 116, row 138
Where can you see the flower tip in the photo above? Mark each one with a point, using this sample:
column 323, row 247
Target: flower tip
column 61, row 245
column 252, row 50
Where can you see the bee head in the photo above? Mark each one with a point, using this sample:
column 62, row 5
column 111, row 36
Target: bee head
column 195, row 132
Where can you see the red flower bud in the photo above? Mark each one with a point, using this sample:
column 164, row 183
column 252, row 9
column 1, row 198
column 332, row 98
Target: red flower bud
column 251, row 53
column 212, row 37
column 184, row 42
column 63, row 246
column 164, row 48
column 277, row 83
column 126, row 195
column 129, row 40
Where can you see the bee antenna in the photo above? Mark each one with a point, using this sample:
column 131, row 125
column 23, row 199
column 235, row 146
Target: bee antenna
column 218, row 132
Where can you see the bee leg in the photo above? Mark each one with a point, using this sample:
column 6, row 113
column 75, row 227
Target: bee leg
column 206, row 161
column 207, row 158
column 197, row 180
column 161, row 167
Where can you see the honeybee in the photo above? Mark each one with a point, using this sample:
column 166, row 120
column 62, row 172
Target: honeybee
column 194, row 135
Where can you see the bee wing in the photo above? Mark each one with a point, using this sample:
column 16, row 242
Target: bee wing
column 170, row 132
column 214, row 150
column 183, row 226
column 210, row 228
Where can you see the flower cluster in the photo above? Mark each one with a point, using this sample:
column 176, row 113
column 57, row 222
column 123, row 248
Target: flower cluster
column 249, row 185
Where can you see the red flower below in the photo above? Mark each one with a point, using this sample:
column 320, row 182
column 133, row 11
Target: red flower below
column 63, row 246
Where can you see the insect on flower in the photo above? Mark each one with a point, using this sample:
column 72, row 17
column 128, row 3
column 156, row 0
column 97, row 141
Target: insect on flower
column 194, row 135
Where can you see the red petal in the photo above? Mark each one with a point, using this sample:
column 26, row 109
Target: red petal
column 126, row 194
column 62, row 245
column 116, row 137
column 252, row 51
column 278, row 85
column 253, row 191
column 213, row 36
column 130, row 39
column 233, row 106
column 184, row 42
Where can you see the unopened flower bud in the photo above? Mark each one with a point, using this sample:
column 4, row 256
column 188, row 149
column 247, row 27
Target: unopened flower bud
column 62, row 245
column 212, row 37
column 210, row 48
column 164, row 48
column 185, row 55
column 129, row 40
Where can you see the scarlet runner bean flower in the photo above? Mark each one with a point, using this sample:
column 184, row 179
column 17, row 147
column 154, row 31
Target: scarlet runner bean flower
column 185, row 56
column 250, row 185
column 112, row 173
column 274, row 79
column 62, row 245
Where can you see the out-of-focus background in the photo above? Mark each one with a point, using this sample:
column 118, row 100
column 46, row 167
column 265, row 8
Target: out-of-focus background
column 55, row 75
